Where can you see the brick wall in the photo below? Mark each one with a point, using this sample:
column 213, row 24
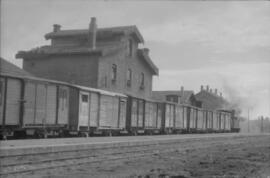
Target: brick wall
column 77, row 69
column 124, row 62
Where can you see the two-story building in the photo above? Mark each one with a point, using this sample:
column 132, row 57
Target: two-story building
column 210, row 99
column 177, row 96
column 104, row 58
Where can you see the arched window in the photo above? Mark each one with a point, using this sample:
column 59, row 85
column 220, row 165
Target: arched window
column 129, row 77
column 130, row 46
column 114, row 72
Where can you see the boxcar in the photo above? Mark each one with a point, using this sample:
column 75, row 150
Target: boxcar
column 46, row 107
column 152, row 117
column 94, row 111
column 209, row 121
column 227, row 126
column 169, row 117
column 180, row 123
column 215, row 121
column 135, row 115
column 193, row 119
column 10, row 105
column 200, row 121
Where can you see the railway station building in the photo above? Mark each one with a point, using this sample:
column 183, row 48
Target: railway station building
column 211, row 99
column 177, row 96
column 103, row 58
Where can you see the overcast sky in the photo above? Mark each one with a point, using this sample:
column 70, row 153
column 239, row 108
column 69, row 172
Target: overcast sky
column 223, row 44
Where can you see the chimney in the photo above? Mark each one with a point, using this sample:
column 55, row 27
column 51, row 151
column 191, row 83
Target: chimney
column 201, row 87
column 56, row 28
column 182, row 90
column 220, row 94
column 93, row 32
column 207, row 87
column 216, row 92
column 211, row 90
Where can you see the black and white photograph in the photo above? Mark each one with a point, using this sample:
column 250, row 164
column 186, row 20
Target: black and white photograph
column 134, row 89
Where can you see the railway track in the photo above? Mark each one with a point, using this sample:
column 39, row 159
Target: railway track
column 16, row 164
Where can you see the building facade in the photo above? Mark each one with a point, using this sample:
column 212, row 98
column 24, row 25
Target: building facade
column 210, row 99
column 177, row 96
column 103, row 58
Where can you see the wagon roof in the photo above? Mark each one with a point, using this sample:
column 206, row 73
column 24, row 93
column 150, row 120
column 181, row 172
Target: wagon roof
column 7, row 68
column 98, row 91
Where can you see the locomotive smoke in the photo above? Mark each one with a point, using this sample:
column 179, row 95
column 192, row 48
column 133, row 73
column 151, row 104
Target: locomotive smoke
column 238, row 100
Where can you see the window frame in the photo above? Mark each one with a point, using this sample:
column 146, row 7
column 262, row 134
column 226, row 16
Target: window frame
column 129, row 77
column 114, row 72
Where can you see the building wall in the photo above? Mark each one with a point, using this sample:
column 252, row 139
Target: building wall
column 77, row 69
column 124, row 62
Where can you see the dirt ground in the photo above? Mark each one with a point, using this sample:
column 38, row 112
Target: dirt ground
column 233, row 158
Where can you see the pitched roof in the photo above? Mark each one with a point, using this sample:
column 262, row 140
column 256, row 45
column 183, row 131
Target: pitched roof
column 120, row 30
column 7, row 68
column 161, row 95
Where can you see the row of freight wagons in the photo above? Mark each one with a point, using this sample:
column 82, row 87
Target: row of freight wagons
column 152, row 116
column 34, row 106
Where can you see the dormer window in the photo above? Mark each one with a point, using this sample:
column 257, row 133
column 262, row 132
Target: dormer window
column 130, row 47
column 114, row 72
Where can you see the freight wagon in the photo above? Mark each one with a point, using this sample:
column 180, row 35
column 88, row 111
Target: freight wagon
column 31, row 106
column 37, row 107
column 94, row 111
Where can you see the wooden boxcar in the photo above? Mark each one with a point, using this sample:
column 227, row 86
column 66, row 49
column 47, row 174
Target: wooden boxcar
column 94, row 111
column 193, row 119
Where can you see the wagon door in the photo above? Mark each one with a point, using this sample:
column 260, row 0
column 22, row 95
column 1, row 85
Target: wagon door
column 122, row 114
column 63, row 101
column 40, row 104
column 94, row 109
column 13, row 102
column 30, row 103
column 84, row 109
column 51, row 104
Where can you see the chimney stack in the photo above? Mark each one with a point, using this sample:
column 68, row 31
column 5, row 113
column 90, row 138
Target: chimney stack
column 201, row 87
column 93, row 32
column 216, row 92
column 207, row 87
column 56, row 27
column 220, row 94
column 210, row 90
column 182, row 90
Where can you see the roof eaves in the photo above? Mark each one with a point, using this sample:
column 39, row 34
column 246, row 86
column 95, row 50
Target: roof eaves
column 149, row 61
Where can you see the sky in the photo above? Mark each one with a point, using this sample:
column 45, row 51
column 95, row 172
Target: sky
column 225, row 45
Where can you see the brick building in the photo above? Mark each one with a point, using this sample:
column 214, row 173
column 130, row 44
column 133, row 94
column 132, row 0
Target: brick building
column 104, row 58
column 177, row 96
column 210, row 99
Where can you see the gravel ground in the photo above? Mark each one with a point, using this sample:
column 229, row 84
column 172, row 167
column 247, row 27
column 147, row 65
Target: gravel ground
column 234, row 158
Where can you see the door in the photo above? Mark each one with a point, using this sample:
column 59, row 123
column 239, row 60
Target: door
column 84, row 109
column 13, row 102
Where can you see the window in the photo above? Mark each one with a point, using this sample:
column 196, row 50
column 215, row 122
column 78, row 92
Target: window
column 142, row 81
column 85, row 98
column 114, row 72
column 130, row 46
column 129, row 77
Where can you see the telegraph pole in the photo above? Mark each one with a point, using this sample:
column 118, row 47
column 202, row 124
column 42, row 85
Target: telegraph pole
column 248, row 120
